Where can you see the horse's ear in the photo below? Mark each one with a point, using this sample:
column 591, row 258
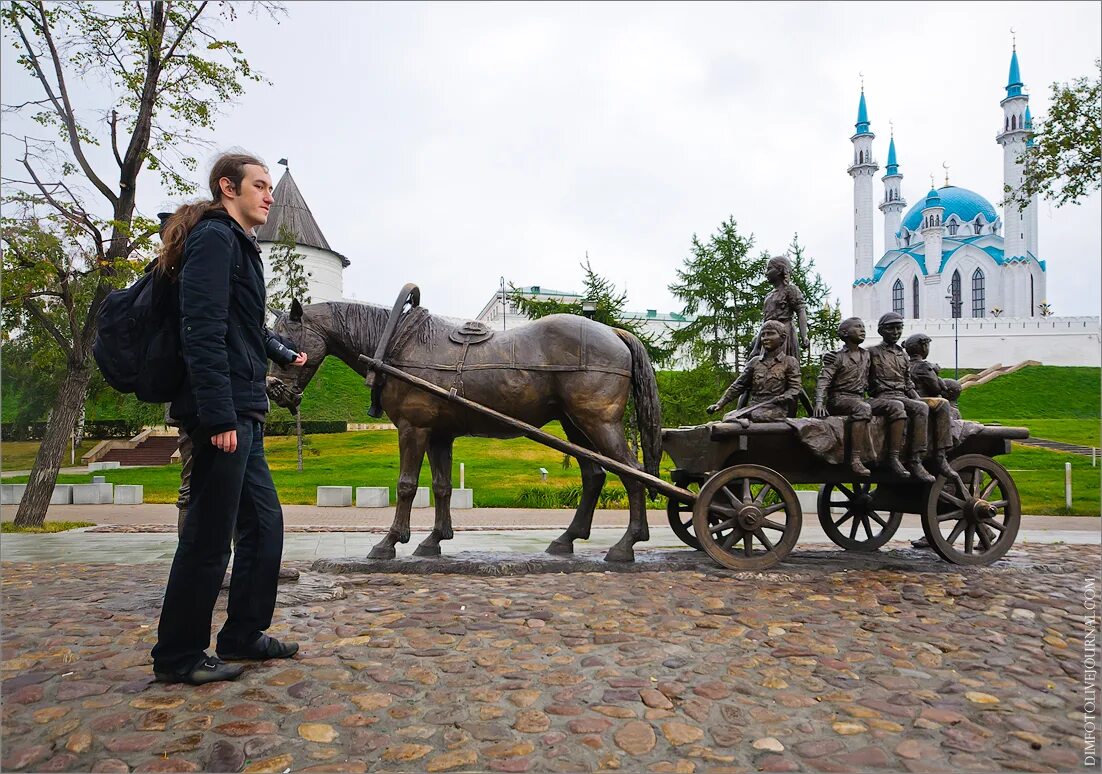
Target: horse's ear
column 296, row 311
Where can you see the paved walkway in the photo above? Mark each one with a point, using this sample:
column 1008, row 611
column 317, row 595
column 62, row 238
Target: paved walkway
column 892, row 661
column 1061, row 446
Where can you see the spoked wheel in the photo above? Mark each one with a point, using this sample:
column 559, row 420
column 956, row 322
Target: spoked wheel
column 747, row 517
column 849, row 519
column 974, row 520
column 680, row 514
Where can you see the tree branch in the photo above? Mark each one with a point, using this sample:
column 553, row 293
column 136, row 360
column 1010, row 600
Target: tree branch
column 63, row 108
column 184, row 31
column 40, row 316
column 114, row 136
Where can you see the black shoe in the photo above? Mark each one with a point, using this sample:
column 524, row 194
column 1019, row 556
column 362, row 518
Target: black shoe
column 263, row 649
column 208, row 670
column 920, row 543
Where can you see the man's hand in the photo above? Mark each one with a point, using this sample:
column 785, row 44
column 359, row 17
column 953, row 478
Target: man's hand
column 300, row 360
column 226, row 441
column 805, row 343
column 820, row 411
column 713, row 408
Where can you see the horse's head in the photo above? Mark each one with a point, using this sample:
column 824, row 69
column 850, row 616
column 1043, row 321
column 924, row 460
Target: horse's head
column 309, row 336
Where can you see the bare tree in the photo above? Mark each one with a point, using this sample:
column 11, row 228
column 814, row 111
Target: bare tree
column 168, row 74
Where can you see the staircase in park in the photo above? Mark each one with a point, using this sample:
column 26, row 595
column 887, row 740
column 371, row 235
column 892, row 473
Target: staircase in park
column 146, row 448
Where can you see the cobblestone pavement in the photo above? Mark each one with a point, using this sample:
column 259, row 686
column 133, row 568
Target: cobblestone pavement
column 829, row 662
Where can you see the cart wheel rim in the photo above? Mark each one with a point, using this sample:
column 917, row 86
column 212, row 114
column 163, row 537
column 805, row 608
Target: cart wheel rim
column 849, row 518
column 973, row 518
column 747, row 517
column 680, row 516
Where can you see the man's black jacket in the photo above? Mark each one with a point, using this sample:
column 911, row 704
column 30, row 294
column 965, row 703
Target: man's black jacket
column 225, row 342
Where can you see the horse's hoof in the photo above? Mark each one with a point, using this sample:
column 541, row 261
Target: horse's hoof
column 382, row 552
column 426, row 551
column 560, row 547
column 617, row 554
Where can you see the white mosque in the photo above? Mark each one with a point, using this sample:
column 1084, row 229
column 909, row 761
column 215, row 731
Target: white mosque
column 953, row 267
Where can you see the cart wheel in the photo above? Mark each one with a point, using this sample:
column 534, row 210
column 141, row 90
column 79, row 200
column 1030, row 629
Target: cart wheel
column 867, row 528
column 973, row 520
column 747, row 517
column 680, row 514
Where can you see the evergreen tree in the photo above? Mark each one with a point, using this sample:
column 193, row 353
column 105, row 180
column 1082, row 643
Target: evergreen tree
column 609, row 309
column 722, row 286
column 289, row 280
column 822, row 319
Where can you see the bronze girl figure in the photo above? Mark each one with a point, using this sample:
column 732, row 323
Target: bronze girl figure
column 783, row 303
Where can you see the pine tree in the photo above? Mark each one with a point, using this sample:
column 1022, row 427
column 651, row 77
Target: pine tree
column 722, row 286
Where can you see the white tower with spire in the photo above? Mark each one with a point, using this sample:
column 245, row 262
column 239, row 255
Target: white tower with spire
column 1013, row 138
column 894, row 203
column 1031, row 209
column 862, row 171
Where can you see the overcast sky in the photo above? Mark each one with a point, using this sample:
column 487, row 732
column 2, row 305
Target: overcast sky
column 451, row 144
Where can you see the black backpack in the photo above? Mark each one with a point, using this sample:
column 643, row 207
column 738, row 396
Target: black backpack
column 137, row 346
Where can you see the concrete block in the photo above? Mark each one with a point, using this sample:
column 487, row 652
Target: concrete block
column 421, row 499
column 10, row 494
column 105, row 465
column 99, row 479
column 106, row 493
column 334, row 496
column 87, row 494
column 62, row 494
column 462, row 498
column 372, row 496
column 129, row 494
column 809, row 500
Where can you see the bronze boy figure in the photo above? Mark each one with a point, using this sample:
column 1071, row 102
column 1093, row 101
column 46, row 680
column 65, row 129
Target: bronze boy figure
column 772, row 379
column 926, row 376
column 890, row 379
column 840, row 391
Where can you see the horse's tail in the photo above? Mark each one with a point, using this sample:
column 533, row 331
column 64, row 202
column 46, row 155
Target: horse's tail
column 648, row 409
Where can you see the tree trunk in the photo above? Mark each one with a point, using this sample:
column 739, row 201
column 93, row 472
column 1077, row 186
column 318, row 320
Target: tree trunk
column 298, row 432
column 66, row 410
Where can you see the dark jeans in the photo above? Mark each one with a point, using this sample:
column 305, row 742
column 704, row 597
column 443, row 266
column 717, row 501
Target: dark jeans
column 228, row 492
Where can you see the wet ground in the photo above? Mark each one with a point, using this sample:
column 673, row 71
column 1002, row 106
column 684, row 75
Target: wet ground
column 828, row 662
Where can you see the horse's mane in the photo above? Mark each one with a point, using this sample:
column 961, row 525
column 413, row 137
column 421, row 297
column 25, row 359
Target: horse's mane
column 363, row 323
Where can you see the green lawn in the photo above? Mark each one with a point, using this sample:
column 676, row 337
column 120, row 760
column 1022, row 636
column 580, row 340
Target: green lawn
column 1043, row 392
column 19, row 455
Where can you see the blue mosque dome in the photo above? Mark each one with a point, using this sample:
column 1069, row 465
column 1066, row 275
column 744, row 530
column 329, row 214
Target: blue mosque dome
column 965, row 204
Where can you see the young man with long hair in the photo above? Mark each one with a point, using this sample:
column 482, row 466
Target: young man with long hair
column 210, row 251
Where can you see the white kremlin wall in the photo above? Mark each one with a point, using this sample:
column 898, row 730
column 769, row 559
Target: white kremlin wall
column 1055, row 341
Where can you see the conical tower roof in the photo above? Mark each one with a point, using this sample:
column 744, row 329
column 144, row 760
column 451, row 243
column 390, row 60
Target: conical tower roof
column 290, row 209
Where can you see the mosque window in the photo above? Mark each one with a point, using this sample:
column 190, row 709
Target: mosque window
column 897, row 297
column 953, row 226
column 979, row 224
column 914, row 298
column 1031, row 313
column 954, row 292
column 977, row 293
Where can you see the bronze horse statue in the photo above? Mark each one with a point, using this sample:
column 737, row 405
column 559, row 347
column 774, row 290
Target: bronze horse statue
column 562, row 367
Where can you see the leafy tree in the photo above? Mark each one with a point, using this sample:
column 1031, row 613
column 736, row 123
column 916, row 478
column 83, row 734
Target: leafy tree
column 167, row 74
column 290, row 279
column 1063, row 162
column 721, row 286
column 609, row 309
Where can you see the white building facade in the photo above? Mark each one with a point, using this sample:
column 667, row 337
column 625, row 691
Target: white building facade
column 951, row 255
column 324, row 266
column 500, row 313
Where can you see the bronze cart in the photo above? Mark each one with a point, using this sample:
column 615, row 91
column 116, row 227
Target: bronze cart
column 746, row 516
column 731, row 492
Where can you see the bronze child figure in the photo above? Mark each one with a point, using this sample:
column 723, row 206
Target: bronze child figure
column 840, row 391
column 890, row 379
column 784, row 302
column 926, row 376
column 772, row 380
